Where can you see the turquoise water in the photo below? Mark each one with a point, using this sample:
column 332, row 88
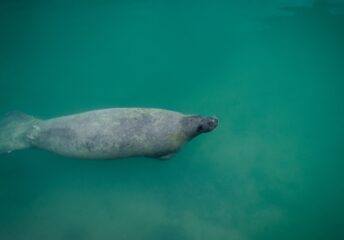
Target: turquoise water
column 271, row 71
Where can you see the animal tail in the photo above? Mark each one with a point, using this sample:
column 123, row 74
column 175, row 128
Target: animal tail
column 14, row 128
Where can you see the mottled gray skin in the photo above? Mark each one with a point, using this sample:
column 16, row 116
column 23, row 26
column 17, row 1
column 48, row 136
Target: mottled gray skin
column 118, row 133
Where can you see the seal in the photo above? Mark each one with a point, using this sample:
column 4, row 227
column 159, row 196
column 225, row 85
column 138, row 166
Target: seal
column 105, row 134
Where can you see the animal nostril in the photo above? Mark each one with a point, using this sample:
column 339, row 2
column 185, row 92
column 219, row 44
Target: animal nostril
column 214, row 121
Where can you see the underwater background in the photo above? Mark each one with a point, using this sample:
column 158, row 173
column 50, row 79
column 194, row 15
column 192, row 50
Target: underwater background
column 272, row 71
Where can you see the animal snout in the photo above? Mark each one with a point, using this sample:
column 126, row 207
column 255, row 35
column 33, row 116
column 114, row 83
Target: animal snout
column 213, row 122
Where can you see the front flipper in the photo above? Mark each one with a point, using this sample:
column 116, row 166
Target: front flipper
column 166, row 157
column 163, row 157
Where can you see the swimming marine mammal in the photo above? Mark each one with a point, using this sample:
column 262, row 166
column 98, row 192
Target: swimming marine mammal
column 105, row 134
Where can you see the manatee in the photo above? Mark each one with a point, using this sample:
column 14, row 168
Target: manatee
column 105, row 134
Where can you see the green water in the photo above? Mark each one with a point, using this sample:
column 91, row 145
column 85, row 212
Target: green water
column 271, row 71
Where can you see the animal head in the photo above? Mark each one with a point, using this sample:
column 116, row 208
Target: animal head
column 194, row 125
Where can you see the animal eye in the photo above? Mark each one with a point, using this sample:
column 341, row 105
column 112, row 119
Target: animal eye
column 200, row 128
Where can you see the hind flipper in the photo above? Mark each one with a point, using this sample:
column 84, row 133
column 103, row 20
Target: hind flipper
column 13, row 130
